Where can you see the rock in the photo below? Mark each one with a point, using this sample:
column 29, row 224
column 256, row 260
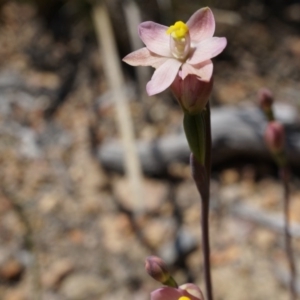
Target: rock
column 229, row 255
column 83, row 286
column 159, row 231
column 15, row 294
column 187, row 195
column 292, row 12
column 11, row 270
column 229, row 176
column 184, row 243
column 57, row 273
column 155, row 193
column 114, row 228
column 265, row 239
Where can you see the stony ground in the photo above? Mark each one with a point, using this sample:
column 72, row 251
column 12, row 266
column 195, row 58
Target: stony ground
column 66, row 225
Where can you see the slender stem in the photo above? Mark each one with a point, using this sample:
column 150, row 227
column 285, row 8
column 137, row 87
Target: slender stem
column 206, row 248
column 205, row 207
column 208, row 143
column 201, row 176
column 199, row 173
column 287, row 235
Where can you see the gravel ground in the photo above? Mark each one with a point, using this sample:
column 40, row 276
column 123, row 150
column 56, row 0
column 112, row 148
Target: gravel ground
column 67, row 231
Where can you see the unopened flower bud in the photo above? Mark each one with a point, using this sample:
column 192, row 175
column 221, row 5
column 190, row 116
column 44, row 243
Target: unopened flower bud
column 158, row 270
column 266, row 99
column 275, row 137
column 192, row 93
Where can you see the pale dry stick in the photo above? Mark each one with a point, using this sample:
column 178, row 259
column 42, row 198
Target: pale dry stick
column 114, row 75
column 133, row 19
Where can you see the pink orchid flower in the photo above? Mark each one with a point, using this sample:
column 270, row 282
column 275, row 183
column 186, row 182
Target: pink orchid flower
column 187, row 291
column 181, row 49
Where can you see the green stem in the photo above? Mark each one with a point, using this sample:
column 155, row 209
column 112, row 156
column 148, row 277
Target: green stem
column 171, row 282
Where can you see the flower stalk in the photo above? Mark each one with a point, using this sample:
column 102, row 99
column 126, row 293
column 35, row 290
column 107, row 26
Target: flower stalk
column 284, row 175
column 201, row 175
column 275, row 141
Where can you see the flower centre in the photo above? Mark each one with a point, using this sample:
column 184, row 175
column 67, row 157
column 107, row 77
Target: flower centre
column 179, row 40
column 184, row 298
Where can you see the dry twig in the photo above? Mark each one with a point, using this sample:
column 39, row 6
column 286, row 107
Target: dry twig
column 113, row 72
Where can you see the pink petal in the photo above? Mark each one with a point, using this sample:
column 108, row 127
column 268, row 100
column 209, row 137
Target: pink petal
column 155, row 38
column 203, row 70
column 143, row 57
column 166, row 293
column 207, row 49
column 201, row 25
column 192, row 290
column 163, row 76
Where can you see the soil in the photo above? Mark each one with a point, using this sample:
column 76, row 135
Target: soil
column 67, row 225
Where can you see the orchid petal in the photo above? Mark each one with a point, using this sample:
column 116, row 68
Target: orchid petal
column 207, row 49
column 166, row 293
column 193, row 290
column 144, row 57
column 163, row 76
column 155, row 38
column 201, row 25
column 203, row 70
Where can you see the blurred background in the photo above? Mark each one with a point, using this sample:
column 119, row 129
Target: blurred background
column 79, row 213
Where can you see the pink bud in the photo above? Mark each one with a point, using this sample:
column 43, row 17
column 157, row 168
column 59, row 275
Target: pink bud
column 265, row 99
column 192, row 93
column 275, row 136
column 157, row 269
